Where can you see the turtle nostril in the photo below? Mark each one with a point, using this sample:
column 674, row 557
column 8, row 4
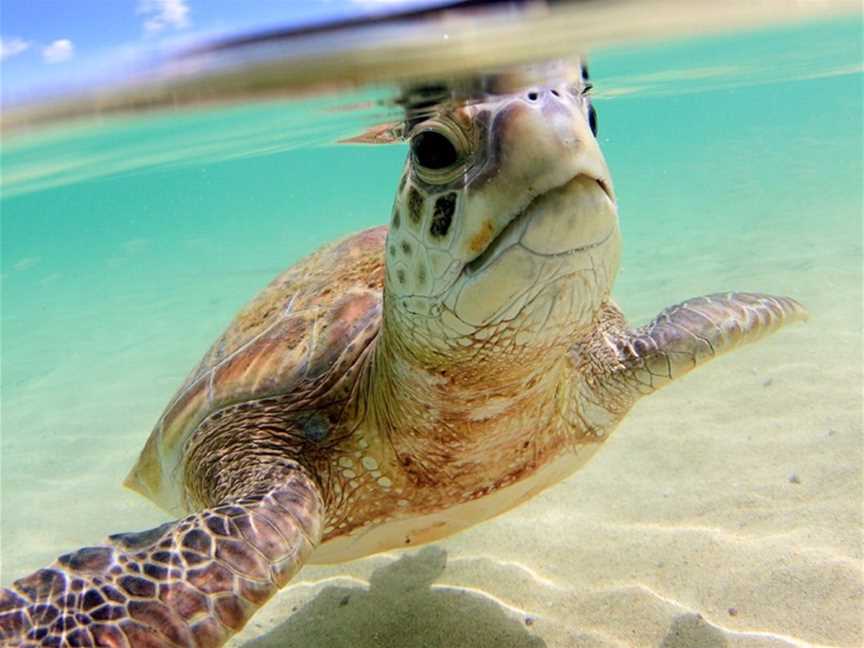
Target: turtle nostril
column 555, row 92
column 533, row 96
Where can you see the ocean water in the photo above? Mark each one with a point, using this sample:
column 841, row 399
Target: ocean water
column 726, row 510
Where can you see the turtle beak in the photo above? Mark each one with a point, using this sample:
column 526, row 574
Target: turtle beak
column 606, row 186
column 541, row 141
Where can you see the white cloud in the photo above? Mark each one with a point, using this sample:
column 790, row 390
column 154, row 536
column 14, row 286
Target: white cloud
column 60, row 50
column 10, row 47
column 163, row 13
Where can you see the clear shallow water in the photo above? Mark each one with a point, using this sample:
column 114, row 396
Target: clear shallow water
column 127, row 247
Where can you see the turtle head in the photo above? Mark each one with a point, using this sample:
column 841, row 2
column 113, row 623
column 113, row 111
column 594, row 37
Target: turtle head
column 505, row 217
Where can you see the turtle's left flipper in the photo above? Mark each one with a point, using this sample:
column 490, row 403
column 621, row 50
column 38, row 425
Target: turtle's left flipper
column 684, row 336
column 193, row 582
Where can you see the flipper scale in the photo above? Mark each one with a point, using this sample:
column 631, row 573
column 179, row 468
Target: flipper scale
column 686, row 335
column 193, row 582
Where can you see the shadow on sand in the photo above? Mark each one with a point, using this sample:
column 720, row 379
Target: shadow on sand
column 401, row 610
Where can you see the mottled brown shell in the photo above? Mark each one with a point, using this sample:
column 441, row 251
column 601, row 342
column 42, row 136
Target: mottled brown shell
column 283, row 342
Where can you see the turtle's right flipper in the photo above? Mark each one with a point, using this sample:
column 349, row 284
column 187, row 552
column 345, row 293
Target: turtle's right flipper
column 684, row 336
column 193, row 582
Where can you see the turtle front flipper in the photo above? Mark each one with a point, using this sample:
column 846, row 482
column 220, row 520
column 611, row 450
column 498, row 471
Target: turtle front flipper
column 684, row 336
column 193, row 582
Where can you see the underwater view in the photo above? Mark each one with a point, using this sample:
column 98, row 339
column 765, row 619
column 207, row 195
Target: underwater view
column 725, row 510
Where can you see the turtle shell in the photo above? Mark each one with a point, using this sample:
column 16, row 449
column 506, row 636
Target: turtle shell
column 292, row 336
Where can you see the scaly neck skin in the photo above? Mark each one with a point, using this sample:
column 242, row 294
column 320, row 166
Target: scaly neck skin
column 461, row 410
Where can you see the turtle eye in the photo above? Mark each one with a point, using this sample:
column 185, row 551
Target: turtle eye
column 592, row 119
column 433, row 150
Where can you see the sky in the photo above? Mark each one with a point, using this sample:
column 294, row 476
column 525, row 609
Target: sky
column 47, row 46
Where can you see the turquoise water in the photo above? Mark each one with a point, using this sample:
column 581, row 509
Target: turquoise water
column 127, row 247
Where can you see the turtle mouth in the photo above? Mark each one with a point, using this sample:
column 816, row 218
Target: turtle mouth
column 512, row 233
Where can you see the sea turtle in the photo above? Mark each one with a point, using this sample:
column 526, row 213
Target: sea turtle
column 395, row 387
